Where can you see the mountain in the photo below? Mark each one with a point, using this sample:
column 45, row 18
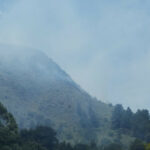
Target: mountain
column 38, row 92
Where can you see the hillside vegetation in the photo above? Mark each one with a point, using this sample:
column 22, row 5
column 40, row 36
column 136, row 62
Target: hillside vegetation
column 44, row 138
column 39, row 93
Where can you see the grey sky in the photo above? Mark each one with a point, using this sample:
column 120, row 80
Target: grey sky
column 102, row 44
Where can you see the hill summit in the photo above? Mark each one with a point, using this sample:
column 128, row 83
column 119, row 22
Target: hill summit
column 38, row 92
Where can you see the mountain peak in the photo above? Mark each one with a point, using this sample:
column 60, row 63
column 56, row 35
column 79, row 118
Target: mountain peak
column 38, row 92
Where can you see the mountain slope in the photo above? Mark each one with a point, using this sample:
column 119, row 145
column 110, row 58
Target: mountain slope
column 38, row 92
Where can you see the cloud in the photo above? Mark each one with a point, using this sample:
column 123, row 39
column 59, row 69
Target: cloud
column 103, row 45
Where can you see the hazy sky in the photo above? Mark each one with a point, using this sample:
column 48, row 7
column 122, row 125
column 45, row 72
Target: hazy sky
column 103, row 44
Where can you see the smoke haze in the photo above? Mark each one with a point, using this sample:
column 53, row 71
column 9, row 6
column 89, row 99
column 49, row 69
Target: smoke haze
column 104, row 46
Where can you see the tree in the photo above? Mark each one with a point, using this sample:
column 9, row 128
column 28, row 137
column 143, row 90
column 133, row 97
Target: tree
column 113, row 146
column 141, row 124
column 137, row 145
column 126, row 120
column 45, row 136
column 147, row 146
column 117, row 116
column 32, row 146
column 8, row 129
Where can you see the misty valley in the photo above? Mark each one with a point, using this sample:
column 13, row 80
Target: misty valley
column 42, row 108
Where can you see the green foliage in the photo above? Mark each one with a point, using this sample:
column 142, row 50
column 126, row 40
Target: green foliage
column 113, row 146
column 39, row 138
column 126, row 122
column 137, row 145
column 32, row 146
column 41, row 93
column 8, row 130
column 137, row 124
column 45, row 136
column 64, row 146
column 141, row 124
column 117, row 116
column 147, row 146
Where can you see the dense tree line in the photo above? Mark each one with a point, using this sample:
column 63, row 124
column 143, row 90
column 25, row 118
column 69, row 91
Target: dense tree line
column 137, row 124
column 39, row 138
column 44, row 138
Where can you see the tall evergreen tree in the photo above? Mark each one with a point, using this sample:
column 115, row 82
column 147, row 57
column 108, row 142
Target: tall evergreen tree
column 117, row 116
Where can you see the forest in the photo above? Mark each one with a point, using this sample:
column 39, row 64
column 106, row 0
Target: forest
column 45, row 138
column 136, row 124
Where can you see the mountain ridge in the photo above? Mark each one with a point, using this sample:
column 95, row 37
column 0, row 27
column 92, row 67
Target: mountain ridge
column 38, row 92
